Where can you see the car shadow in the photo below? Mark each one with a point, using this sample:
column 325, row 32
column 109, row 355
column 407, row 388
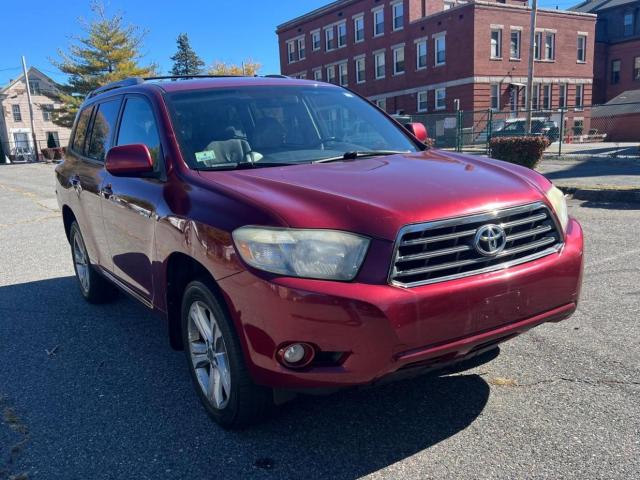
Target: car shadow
column 588, row 168
column 104, row 396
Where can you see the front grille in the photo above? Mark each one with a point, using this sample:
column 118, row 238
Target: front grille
column 446, row 249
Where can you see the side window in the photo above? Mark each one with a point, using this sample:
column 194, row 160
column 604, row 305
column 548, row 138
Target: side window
column 101, row 133
column 138, row 125
column 81, row 130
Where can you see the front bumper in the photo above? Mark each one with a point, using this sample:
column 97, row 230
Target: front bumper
column 385, row 329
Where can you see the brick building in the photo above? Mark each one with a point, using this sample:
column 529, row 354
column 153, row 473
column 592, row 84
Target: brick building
column 617, row 49
column 413, row 56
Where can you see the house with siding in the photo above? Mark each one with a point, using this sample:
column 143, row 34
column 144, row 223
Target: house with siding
column 16, row 138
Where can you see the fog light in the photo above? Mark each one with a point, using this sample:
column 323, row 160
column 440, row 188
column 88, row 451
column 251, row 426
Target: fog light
column 296, row 355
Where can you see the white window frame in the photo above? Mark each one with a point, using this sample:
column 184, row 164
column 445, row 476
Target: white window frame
column 377, row 65
column 330, row 73
column 341, row 43
column 627, row 15
column 396, row 51
column 547, row 96
column 552, row 55
column 535, row 97
column 47, row 112
column 421, row 44
column 448, row 5
column 315, row 35
column 563, row 95
column 518, row 33
column 537, row 46
column 423, row 101
column 34, row 87
column 358, row 18
column 16, row 113
column 381, row 103
column 343, row 74
column 581, row 50
column 302, row 50
column 316, row 77
column 497, row 55
column 579, row 105
column 357, row 62
column 378, row 11
column 329, row 35
column 436, row 39
column 394, row 15
column 496, row 87
column 437, row 104
column 291, row 51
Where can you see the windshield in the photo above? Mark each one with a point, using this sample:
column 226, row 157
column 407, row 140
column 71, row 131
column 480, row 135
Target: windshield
column 278, row 125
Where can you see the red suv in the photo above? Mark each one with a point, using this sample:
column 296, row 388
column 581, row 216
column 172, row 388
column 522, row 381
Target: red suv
column 296, row 238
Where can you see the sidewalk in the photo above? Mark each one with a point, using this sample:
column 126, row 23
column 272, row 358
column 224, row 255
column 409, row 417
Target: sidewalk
column 594, row 178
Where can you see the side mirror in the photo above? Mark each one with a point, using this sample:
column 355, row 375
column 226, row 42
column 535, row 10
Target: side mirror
column 418, row 130
column 129, row 160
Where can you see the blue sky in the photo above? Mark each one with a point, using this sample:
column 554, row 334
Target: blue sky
column 228, row 30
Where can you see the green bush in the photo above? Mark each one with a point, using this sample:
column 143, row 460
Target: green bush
column 526, row 151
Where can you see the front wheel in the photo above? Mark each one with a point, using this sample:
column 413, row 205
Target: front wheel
column 216, row 363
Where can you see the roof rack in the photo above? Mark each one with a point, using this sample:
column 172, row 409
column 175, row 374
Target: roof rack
column 129, row 82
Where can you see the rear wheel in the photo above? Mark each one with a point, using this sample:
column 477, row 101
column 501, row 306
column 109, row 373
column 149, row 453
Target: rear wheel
column 93, row 287
column 215, row 360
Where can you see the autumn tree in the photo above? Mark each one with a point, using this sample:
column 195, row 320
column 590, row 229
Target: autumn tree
column 248, row 67
column 110, row 50
column 186, row 61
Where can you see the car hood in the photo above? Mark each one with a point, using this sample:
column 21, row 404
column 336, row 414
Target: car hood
column 377, row 196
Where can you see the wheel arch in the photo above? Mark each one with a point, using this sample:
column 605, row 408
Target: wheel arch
column 68, row 218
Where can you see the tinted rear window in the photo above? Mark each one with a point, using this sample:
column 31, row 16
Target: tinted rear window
column 103, row 125
column 81, row 130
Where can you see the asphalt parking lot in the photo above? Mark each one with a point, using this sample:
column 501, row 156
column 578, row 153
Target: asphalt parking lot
column 96, row 392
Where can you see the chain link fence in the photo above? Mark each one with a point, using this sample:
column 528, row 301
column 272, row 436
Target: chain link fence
column 23, row 150
column 611, row 130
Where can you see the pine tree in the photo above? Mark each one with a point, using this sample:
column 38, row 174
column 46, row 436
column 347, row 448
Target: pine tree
column 109, row 51
column 186, row 61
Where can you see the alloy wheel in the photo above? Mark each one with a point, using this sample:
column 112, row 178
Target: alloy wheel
column 80, row 258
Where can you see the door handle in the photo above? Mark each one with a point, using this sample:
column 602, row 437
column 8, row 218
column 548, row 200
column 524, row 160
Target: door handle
column 106, row 191
column 76, row 184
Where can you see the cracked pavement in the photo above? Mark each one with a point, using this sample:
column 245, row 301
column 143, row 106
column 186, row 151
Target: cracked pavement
column 113, row 401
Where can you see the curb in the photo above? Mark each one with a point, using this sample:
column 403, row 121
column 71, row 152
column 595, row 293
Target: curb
column 602, row 194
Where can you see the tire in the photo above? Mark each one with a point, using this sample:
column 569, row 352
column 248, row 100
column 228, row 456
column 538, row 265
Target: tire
column 213, row 351
column 93, row 286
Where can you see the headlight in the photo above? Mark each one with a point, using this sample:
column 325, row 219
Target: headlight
column 559, row 204
column 323, row 254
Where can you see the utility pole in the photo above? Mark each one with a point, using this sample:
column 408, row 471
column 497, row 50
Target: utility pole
column 31, row 120
column 532, row 39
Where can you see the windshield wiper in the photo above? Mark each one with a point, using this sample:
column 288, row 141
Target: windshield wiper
column 359, row 154
column 243, row 165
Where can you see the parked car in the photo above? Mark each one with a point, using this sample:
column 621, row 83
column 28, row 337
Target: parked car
column 288, row 256
column 539, row 126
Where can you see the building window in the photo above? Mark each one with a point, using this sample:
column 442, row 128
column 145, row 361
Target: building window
column 342, row 34
column 495, row 96
column 546, row 97
column 514, row 48
column 535, row 97
column 315, row 40
column 562, row 97
column 398, row 15
column 496, row 43
column 53, row 140
column 382, row 104
column 636, row 68
column 440, row 50
column 615, row 72
column 549, row 46
column 360, row 70
column 448, row 5
column 378, row 22
column 582, row 48
column 34, row 86
column 537, row 42
column 291, row 48
column 579, row 97
column 331, row 74
column 422, row 101
column 17, row 115
column 421, row 54
column 398, row 60
column 628, row 24
column 47, row 112
column 301, row 49
column 317, row 75
column 440, row 99
column 358, row 28
column 330, row 37
column 379, row 64
column 343, row 74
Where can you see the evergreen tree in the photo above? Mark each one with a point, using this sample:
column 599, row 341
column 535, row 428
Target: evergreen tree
column 186, row 61
column 109, row 51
